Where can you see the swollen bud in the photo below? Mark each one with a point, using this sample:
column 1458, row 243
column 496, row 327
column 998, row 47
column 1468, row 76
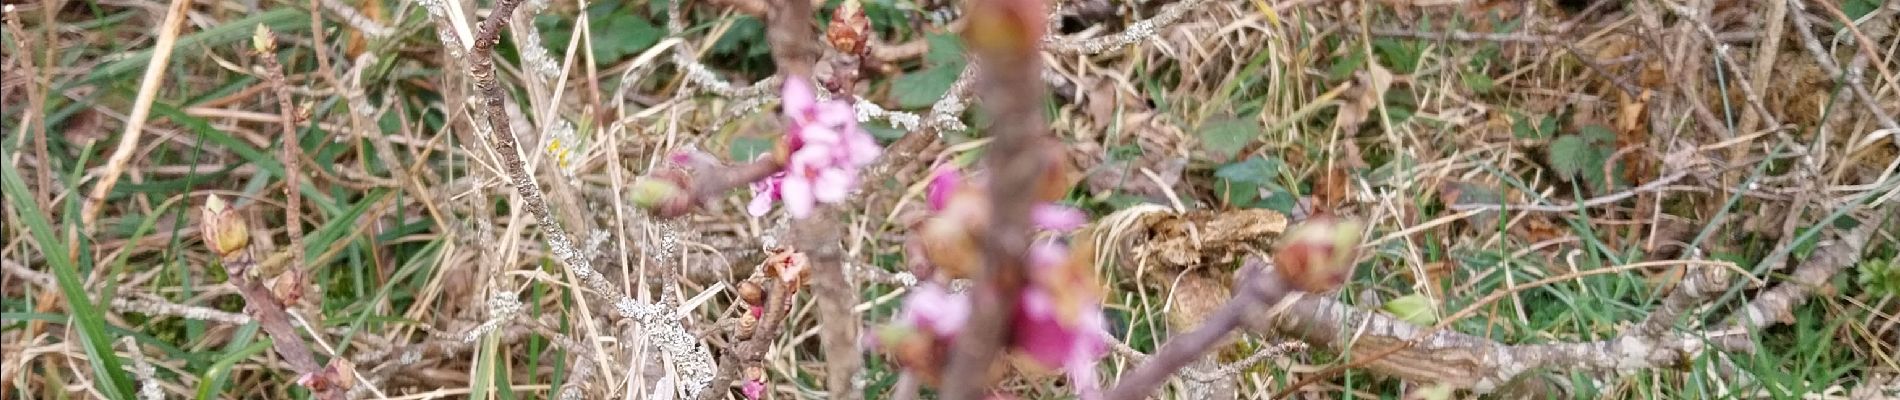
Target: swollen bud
column 224, row 232
column 1317, row 255
column 751, row 293
column 262, row 41
column 850, row 29
column 1006, row 28
column 660, row 195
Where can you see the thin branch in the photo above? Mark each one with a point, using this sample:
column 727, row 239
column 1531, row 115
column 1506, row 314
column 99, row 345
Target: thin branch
column 292, row 151
column 689, row 356
column 269, row 313
column 1258, row 288
column 1598, row 201
column 1852, row 80
column 1135, row 33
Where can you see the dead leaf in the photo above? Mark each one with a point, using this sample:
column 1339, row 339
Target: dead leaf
column 1367, row 91
column 1333, row 188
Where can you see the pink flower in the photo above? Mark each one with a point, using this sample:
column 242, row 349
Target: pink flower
column 826, row 149
column 1046, row 338
column 764, row 191
column 943, row 184
column 936, row 310
column 1057, row 217
column 753, row 389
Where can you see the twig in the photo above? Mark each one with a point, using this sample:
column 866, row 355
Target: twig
column 141, row 108
column 357, row 20
column 292, row 151
column 269, row 313
column 1393, row 347
column 1135, row 33
column 1258, row 288
column 690, row 357
column 148, row 381
column 1466, row 36
column 1598, row 201
column 1775, row 304
column 1813, row 45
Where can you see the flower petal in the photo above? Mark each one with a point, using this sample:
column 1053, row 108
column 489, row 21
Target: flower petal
column 832, row 185
column 931, row 307
column 796, row 192
column 797, row 96
column 753, row 389
column 759, row 205
column 863, row 148
column 1057, row 217
column 835, row 113
column 944, row 183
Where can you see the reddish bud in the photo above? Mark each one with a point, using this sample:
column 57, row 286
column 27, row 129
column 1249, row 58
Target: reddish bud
column 751, row 293
column 1006, row 28
column 850, row 29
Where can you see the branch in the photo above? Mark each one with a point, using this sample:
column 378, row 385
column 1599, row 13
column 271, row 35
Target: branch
column 1013, row 89
column 689, row 356
column 266, row 47
column 1852, row 80
column 1775, row 305
column 1135, row 33
column 265, row 308
column 1258, row 288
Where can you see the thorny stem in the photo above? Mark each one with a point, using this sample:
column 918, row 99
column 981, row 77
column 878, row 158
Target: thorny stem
column 688, row 354
column 1259, row 288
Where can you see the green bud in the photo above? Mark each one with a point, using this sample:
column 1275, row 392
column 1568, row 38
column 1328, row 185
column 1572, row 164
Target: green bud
column 262, row 41
column 651, row 193
column 1413, row 308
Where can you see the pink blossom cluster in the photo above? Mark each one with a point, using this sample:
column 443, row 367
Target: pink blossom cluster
column 823, row 150
column 1057, row 324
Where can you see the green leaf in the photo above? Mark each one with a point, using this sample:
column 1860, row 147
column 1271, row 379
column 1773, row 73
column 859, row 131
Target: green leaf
column 1225, row 137
column 1241, row 184
column 745, row 148
column 1343, row 68
column 1401, row 55
column 1278, row 199
column 1598, row 135
column 923, row 88
column 945, row 49
column 92, row 324
column 1413, row 308
column 745, row 37
column 622, row 34
column 1254, row 169
column 1859, row 8
column 1570, row 155
column 882, row 130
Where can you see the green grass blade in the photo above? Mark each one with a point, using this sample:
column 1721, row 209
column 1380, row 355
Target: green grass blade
column 214, row 378
column 111, row 378
column 282, row 20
